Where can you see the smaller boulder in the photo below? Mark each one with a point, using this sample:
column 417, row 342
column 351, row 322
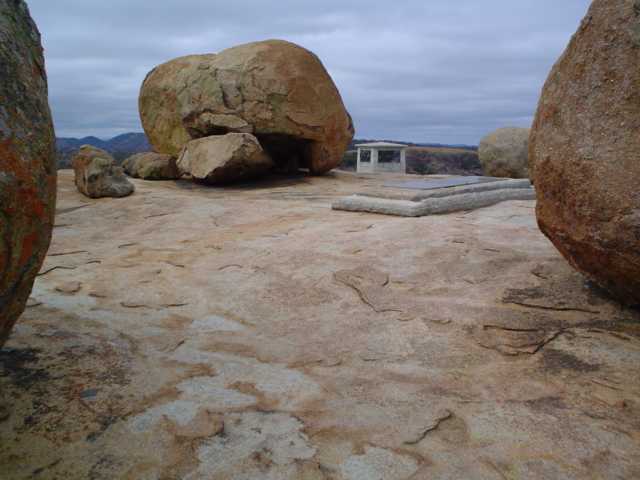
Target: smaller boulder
column 151, row 166
column 505, row 153
column 97, row 175
column 224, row 159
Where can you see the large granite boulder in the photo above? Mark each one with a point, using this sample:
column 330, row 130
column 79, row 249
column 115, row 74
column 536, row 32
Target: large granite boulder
column 151, row 166
column 274, row 89
column 585, row 149
column 27, row 161
column 97, row 174
column 504, row 153
column 221, row 159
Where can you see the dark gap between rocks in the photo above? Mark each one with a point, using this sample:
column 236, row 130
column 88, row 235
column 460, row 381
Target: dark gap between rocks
column 209, row 131
column 289, row 153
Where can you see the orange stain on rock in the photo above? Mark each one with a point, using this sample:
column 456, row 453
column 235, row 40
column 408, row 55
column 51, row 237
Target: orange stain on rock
column 28, row 245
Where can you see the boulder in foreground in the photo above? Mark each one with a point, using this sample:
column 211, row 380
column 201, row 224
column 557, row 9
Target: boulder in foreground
column 27, row 161
column 151, row 166
column 274, row 89
column 224, row 159
column 97, row 175
column 585, row 149
column 504, row 153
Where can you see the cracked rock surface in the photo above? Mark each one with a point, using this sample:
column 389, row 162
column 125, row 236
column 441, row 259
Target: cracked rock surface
column 251, row 332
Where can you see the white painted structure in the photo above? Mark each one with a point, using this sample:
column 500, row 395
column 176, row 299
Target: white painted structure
column 382, row 157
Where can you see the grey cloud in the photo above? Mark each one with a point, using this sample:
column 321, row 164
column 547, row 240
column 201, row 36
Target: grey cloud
column 417, row 70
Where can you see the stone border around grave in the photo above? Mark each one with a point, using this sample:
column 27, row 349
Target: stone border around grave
column 442, row 201
column 417, row 195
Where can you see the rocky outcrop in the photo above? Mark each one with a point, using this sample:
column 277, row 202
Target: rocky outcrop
column 504, row 153
column 97, row 175
column 274, row 89
column 250, row 334
column 151, row 166
column 585, row 149
column 224, row 159
column 27, row 161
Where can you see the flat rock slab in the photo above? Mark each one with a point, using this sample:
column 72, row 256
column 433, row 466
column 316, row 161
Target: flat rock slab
column 253, row 333
column 453, row 198
column 440, row 183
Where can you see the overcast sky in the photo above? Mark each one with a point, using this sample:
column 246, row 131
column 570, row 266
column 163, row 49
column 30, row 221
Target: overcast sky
column 446, row 71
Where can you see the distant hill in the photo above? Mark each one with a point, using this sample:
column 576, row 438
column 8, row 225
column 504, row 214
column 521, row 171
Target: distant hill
column 120, row 147
column 443, row 161
column 422, row 158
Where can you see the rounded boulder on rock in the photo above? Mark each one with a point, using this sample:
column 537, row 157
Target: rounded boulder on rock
column 97, row 175
column 585, row 149
column 504, row 153
column 221, row 159
column 276, row 90
column 151, row 166
column 27, row 161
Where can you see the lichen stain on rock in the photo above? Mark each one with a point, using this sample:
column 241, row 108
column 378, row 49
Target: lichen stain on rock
column 27, row 161
column 265, row 88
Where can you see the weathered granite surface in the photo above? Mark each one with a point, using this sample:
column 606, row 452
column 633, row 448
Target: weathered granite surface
column 97, row 175
column 276, row 90
column 505, row 153
column 151, row 166
column 252, row 332
column 27, row 161
column 221, row 159
column 585, row 149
